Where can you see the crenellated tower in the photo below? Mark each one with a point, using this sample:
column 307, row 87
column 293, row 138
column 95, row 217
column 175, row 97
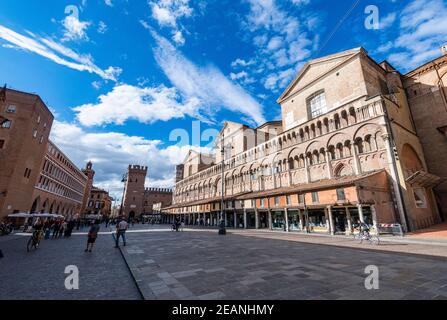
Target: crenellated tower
column 134, row 191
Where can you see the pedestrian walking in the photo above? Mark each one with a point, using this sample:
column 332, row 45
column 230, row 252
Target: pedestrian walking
column 121, row 232
column 56, row 227
column 182, row 225
column 92, row 235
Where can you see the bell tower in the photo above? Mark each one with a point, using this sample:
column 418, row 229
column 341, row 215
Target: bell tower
column 134, row 191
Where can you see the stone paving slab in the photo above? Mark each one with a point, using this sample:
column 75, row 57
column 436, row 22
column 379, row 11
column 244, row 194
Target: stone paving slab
column 103, row 274
column 239, row 266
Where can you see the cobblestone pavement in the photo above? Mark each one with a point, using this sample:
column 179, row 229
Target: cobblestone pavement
column 199, row 264
column 39, row 274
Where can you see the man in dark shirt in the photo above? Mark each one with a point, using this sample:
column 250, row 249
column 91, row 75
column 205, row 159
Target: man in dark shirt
column 92, row 235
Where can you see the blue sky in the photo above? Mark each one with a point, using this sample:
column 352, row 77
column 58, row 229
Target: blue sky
column 124, row 78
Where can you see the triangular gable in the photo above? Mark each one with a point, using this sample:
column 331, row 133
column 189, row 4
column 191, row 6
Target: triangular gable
column 316, row 68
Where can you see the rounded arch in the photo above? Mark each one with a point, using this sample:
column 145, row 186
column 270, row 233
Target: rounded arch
column 314, row 145
column 368, row 128
column 36, row 205
column 343, row 169
column 337, row 138
column 410, row 159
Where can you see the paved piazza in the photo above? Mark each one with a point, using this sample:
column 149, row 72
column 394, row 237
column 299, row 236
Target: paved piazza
column 199, row 264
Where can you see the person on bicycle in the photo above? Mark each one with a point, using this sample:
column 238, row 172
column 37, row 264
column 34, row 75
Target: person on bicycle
column 363, row 227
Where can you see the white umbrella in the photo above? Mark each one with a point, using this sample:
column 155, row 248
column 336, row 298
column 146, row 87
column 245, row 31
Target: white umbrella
column 19, row 215
column 45, row 215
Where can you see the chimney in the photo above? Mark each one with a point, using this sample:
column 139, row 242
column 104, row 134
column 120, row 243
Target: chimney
column 444, row 50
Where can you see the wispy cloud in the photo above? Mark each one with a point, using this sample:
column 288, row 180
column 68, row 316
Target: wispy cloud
column 206, row 84
column 74, row 28
column 57, row 53
column 282, row 40
column 422, row 30
column 168, row 12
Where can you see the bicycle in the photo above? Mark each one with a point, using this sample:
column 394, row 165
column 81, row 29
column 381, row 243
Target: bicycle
column 34, row 241
column 365, row 235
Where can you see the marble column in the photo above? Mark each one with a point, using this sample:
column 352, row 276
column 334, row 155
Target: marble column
column 286, row 211
column 245, row 218
column 331, row 220
column 361, row 217
column 348, row 218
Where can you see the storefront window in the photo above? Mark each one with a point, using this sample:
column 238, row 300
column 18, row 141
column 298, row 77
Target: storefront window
column 278, row 220
column 294, row 221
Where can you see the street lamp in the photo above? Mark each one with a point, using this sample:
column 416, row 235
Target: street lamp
column 222, row 229
column 124, row 189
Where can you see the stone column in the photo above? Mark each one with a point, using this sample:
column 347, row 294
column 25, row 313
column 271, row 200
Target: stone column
column 256, row 218
column 374, row 215
column 245, row 218
column 348, row 218
column 361, row 217
column 331, row 220
column 225, row 217
column 328, row 165
column 394, row 178
column 270, row 219
column 286, row 211
column 357, row 168
column 235, row 219
column 300, row 215
column 306, row 169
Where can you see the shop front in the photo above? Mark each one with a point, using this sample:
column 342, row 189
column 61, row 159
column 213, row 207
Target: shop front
column 293, row 219
column 278, row 220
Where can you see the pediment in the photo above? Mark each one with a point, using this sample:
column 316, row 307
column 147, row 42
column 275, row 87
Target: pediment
column 315, row 69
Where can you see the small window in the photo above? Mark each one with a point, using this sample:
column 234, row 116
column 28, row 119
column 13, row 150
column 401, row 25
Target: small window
column 11, row 109
column 7, row 124
column 41, row 139
column 301, row 198
column 341, row 194
column 253, row 203
column 315, row 197
column 262, row 203
column 288, row 200
column 38, row 119
column 35, row 133
column 276, row 201
column 2, row 144
column 419, row 198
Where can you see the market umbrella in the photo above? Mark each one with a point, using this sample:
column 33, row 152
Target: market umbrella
column 19, row 215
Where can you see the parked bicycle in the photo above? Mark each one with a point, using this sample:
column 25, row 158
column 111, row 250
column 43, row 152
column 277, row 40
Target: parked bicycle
column 366, row 236
column 5, row 228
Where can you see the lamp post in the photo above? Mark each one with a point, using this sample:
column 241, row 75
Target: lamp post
column 222, row 230
column 124, row 189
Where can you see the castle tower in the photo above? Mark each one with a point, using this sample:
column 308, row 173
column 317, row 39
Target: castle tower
column 90, row 173
column 134, row 191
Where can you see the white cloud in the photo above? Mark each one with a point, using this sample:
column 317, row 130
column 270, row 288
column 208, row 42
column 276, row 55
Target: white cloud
column 387, row 21
column 108, row 3
column 102, row 27
column 74, row 28
column 241, row 62
column 282, row 38
column 168, row 13
column 422, row 30
column 206, row 84
column 129, row 102
column 178, row 38
column 112, row 152
column 57, row 53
